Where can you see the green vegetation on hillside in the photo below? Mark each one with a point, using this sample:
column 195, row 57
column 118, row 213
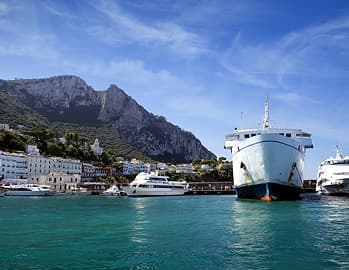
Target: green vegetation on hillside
column 16, row 113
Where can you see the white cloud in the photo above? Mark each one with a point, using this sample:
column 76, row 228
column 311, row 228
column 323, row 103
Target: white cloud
column 202, row 107
column 126, row 28
column 310, row 52
column 4, row 8
column 36, row 46
column 287, row 97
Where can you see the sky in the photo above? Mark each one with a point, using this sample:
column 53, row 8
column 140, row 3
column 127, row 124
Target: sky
column 206, row 66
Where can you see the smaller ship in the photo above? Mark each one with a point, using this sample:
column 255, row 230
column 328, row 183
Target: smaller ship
column 333, row 175
column 146, row 184
column 114, row 191
column 28, row 190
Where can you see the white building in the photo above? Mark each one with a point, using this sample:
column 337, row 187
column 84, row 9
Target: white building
column 127, row 168
column 62, row 140
column 184, row 168
column 135, row 167
column 13, row 166
column 206, row 167
column 39, row 165
column 4, row 127
column 61, row 181
column 32, row 150
column 96, row 148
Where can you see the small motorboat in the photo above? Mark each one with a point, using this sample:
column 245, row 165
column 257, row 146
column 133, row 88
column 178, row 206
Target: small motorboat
column 114, row 191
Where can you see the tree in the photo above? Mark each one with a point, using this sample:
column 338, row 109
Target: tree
column 11, row 142
column 196, row 161
column 53, row 149
column 222, row 159
column 105, row 159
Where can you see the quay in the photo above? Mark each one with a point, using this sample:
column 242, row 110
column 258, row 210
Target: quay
column 196, row 188
column 210, row 188
column 223, row 188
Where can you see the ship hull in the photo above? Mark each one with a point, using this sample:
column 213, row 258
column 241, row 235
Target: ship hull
column 268, row 167
column 153, row 192
column 277, row 192
column 28, row 193
column 334, row 187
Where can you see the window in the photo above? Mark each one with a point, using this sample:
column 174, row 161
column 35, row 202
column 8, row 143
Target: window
column 247, row 136
column 288, row 134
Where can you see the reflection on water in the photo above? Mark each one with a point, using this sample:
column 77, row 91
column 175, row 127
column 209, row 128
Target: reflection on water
column 199, row 232
column 139, row 226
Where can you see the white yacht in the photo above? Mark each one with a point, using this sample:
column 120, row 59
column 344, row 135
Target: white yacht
column 28, row 190
column 333, row 175
column 114, row 191
column 268, row 162
column 146, row 184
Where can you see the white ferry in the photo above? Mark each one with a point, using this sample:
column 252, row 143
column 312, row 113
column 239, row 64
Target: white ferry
column 333, row 175
column 146, row 184
column 27, row 190
column 268, row 162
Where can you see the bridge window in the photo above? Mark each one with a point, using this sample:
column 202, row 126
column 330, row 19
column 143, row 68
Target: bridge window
column 247, row 136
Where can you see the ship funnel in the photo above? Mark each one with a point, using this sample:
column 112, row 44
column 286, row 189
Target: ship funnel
column 266, row 121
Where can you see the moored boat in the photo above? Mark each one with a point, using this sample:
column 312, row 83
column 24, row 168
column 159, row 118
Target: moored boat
column 28, row 190
column 114, row 191
column 268, row 162
column 146, row 184
column 333, row 175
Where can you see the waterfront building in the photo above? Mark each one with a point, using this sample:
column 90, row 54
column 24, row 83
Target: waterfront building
column 13, row 166
column 184, row 168
column 59, row 181
column 32, row 150
column 97, row 150
column 127, row 168
column 39, row 165
column 136, row 166
column 91, row 172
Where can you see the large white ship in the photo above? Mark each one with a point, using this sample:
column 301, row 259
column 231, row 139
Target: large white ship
column 146, row 184
column 268, row 162
column 333, row 175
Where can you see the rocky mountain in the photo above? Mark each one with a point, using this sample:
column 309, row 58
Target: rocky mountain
column 69, row 99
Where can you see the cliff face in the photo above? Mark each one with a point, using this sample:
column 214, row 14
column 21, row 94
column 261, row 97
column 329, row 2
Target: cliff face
column 70, row 99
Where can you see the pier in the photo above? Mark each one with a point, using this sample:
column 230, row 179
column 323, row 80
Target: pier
column 210, row 188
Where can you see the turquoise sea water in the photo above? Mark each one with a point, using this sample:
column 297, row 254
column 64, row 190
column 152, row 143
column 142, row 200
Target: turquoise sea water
column 188, row 232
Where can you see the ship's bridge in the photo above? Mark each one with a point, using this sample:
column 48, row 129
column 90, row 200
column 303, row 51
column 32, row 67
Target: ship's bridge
column 233, row 139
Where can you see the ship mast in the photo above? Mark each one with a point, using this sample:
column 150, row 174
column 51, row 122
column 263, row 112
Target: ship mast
column 266, row 121
column 338, row 153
